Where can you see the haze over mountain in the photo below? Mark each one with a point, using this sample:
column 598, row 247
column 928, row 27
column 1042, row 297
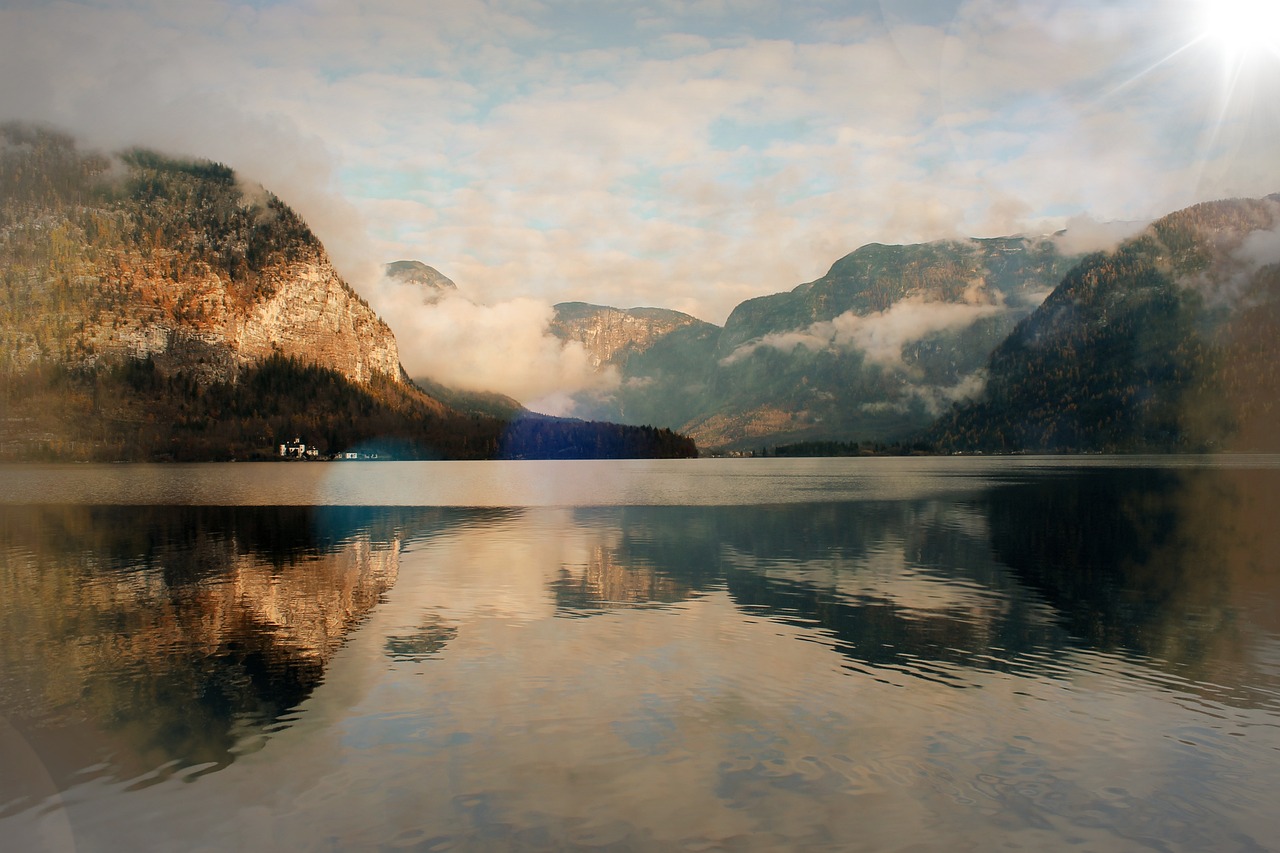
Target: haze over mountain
column 873, row 349
column 449, row 336
column 685, row 156
column 1165, row 343
column 682, row 155
column 134, row 285
column 153, row 307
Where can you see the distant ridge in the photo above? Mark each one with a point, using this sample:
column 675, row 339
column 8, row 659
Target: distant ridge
column 872, row 350
column 1166, row 343
column 611, row 334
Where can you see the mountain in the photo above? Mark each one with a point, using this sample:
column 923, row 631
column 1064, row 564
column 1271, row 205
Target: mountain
column 874, row 349
column 1169, row 343
column 610, row 335
column 430, row 279
column 148, row 256
column 658, row 355
column 160, row 308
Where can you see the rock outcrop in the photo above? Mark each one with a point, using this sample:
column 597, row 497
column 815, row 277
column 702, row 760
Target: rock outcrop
column 190, row 325
column 174, row 260
column 609, row 334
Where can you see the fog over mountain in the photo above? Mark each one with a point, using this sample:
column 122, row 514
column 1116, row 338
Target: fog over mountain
column 506, row 347
column 686, row 157
column 185, row 265
column 154, row 308
column 875, row 349
column 690, row 158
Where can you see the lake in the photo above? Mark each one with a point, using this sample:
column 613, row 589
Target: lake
column 824, row 654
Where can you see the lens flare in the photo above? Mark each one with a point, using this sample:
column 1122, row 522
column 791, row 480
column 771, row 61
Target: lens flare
column 1243, row 28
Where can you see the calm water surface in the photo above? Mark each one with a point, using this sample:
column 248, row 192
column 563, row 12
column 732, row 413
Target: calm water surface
column 711, row 654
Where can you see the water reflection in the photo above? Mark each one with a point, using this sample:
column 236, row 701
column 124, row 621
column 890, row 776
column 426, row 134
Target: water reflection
column 1169, row 566
column 1080, row 656
column 428, row 641
column 146, row 641
column 1179, row 568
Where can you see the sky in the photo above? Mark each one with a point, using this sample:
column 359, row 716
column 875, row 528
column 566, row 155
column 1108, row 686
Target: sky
column 684, row 155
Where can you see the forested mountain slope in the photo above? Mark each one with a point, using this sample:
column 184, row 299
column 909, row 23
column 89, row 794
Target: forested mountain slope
column 1169, row 343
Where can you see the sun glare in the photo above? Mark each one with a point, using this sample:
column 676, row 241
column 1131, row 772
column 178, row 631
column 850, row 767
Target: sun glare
column 1243, row 28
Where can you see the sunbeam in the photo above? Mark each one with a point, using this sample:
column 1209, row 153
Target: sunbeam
column 1243, row 28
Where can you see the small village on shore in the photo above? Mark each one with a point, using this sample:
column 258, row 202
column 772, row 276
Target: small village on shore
column 298, row 450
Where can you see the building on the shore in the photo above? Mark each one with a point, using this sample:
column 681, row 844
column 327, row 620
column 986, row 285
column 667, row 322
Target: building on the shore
column 297, row 449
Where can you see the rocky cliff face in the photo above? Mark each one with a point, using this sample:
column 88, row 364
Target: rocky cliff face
column 176, row 260
column 314, row 315
column 191, row 325
column 609, row 334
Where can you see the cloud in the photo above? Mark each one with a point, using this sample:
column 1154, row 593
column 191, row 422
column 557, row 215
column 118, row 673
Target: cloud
column 132, row 75
column 1228, row 283
column 935, row 398
column 663, row 154
column 506, row 347
column 1084, row 234
column 881, row 336
column 1260, row 248
column 938, row 398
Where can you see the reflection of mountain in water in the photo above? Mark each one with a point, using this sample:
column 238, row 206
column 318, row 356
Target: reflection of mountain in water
column 886, row 583
column 614, row 578
column 159, row 634
column 1154, row 563
column 1160, row 563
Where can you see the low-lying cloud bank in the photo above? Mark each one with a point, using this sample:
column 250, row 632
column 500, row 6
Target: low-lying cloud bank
column 506, row 347
column 935, row 398
column 881, row 336
column 1084, row 234
column 1228, row 281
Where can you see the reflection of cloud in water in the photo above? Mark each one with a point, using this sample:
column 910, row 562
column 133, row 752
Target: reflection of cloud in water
column 697, row 726
column 887, row 574
column 715, row 719
column 912, row 565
